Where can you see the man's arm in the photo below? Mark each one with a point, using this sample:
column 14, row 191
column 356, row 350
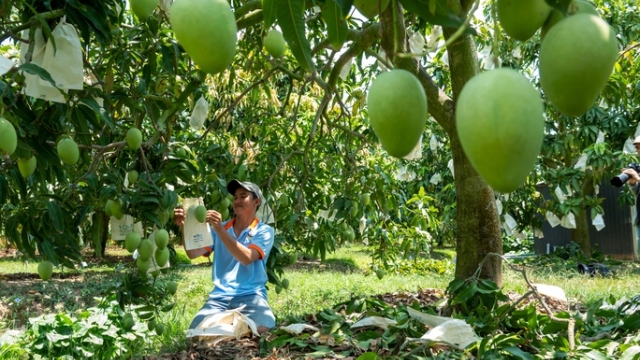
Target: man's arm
column 242, row 253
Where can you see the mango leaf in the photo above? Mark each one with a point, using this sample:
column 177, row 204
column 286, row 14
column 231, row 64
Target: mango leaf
column 337, row 28
column 56, row 216
column 269, row 13
column 45, row 27
column 562, row 5
column 291, row 21
column 33, row 69
column 441, row 16
column 345, row 5
column 517, row 353
column 369, row 356
column 630, row 353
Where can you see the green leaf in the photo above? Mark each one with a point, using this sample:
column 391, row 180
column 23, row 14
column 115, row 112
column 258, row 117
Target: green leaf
column 337, row 28
column 291, row 21
column 442, row 15
column 630, row 353
column 34, row 69
column 168, row 307
column 56, row 216
column 93, row 105
column 269, row 13
column 465, row 294
column 45, row 26
column 369, row 356
column 517, row 353
column 345, row 5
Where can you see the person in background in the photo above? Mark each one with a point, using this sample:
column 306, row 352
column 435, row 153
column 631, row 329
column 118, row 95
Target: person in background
column 241, row 247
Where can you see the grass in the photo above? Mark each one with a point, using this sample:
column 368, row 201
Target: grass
column 314, row 285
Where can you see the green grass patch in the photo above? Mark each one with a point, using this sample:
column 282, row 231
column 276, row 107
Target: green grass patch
column 314, row 285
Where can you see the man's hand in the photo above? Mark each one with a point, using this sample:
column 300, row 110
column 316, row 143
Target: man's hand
column 178, row 216
column 214, row 219
column 634, row 176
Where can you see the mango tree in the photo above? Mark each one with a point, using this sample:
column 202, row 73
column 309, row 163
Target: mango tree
column 293, row 120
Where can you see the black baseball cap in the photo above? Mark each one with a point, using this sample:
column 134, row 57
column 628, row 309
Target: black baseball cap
column 235, row 184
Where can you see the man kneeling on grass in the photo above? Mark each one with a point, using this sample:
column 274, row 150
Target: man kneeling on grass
column 241, row 246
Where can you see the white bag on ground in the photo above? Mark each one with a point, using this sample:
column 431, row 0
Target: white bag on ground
column 225, row 325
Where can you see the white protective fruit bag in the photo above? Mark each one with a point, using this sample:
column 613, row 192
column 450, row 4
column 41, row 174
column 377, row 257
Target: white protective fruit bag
column 33, row 87
column 64, row 63
column 121, row 228
column 199, row 114
column 196, row 234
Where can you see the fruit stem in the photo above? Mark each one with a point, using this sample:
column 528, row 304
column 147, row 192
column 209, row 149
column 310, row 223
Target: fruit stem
column 395, row 26
column 496, row 35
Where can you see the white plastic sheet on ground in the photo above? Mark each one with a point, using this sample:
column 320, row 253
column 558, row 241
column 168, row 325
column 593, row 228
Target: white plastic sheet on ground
column 297, row 329
column 453, row 332
column 551, row 291
column 608, row 306
column 377, row 321
column 230, row 324
column 450, row 166
column 552, row 219
column 598, row 222
column 568, row 221
column 600, row 138
column 199, row 114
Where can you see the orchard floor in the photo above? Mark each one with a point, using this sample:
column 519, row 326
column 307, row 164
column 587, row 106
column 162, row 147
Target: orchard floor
column 23, row 295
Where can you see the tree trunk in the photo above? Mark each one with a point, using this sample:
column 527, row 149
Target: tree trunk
column 580, row 235
column 478, row 230
column 478, row 222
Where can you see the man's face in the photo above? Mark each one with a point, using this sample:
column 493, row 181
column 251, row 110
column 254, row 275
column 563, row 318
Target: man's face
column 244, row 203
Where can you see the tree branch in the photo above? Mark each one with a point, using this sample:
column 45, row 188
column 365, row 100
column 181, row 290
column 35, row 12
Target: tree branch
column 32, row 22
column 237, row 100
column 441, row 106
column 571, row 321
